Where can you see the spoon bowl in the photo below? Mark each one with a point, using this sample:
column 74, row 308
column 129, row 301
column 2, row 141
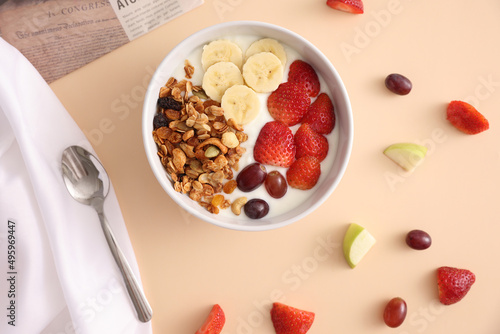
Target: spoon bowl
column 88, row 183
column 84, row 175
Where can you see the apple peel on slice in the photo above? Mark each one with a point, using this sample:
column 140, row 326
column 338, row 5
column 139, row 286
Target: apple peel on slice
column 407, row 155
column 357, row 242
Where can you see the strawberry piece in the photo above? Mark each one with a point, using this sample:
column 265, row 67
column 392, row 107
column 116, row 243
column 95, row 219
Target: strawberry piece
column 309, row 142
column 214, row 322
column 453, row 284
column 274, row 145
column 466, row 118
column 304, row 173
column 304, row 74
column 290, row 320
column 320, row 115
column 349, row 6
column 288, row 103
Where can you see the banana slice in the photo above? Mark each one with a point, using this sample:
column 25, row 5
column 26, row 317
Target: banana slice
column 221, row 50
column 263, row 72
column 267, row 45
column 241, row 103
column 219, row 77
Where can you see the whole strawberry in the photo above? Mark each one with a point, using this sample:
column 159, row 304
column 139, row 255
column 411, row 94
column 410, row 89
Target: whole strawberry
column 304, row 173
column 309, row 142
column 290, row 320
column 214, row 322
column 453, row 284
column 466, row 118
column 275, row 145
column 288, row 103
column 320, row 115
column 305, row 75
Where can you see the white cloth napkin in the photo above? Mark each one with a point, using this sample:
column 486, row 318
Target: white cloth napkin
column 61, row 276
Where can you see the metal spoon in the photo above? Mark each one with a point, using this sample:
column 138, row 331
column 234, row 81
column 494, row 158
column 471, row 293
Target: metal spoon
column 88, row 183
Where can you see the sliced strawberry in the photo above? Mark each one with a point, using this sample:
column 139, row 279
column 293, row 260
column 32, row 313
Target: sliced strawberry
column 274, row 145
column 466, row 118
column 349, row 6
column 453, row 284
column 304, row 74
column 320, row 115
column 288, row 103
column 309, row 142
column 290, row 320
column 214, row 322
column 304, row 173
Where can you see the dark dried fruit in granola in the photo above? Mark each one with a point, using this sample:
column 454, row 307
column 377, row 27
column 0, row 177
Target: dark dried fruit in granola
column 168, row 102
column 159, row 121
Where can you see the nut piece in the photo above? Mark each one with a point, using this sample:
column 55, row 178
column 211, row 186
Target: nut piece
column 238, row 204
column 212, row 152
column 229, row 139
column 213, row 141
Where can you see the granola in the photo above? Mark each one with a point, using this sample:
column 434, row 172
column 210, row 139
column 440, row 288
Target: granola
column 198, row 147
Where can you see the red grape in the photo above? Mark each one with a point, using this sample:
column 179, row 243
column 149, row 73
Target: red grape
column 398, row 84
column 395, row 312
column 418, row 239
column 251, row 177
column 256, row 208
column 275, row 184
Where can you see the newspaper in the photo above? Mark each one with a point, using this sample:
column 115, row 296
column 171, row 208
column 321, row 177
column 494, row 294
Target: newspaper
column 60, row 36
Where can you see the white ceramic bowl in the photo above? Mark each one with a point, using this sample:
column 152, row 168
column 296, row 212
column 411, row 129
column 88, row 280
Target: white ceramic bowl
column 309, row 53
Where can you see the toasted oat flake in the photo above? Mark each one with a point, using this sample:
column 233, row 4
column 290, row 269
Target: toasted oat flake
column 188, row 69
column 165, row 91
column 171, row 82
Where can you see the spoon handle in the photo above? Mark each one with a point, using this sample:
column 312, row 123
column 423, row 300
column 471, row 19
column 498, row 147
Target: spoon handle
column 144, row 311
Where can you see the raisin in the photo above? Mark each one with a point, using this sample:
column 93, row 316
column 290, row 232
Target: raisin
column 160, row 120
column 169, row 103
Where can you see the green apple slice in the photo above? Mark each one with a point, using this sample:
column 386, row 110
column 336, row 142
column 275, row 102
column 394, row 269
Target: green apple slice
column 357, row 242
column 407, row 155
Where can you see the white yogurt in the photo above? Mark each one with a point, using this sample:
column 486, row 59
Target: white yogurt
column 293, row 197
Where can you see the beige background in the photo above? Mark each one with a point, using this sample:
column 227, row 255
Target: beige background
column 450, row 50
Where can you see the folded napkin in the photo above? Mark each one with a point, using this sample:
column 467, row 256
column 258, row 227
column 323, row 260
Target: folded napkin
column 57, row 272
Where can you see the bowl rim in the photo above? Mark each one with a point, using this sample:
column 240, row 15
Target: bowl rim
column 161, row 175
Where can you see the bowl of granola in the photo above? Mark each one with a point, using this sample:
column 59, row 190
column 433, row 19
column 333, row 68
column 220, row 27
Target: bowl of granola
column 247, row 125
